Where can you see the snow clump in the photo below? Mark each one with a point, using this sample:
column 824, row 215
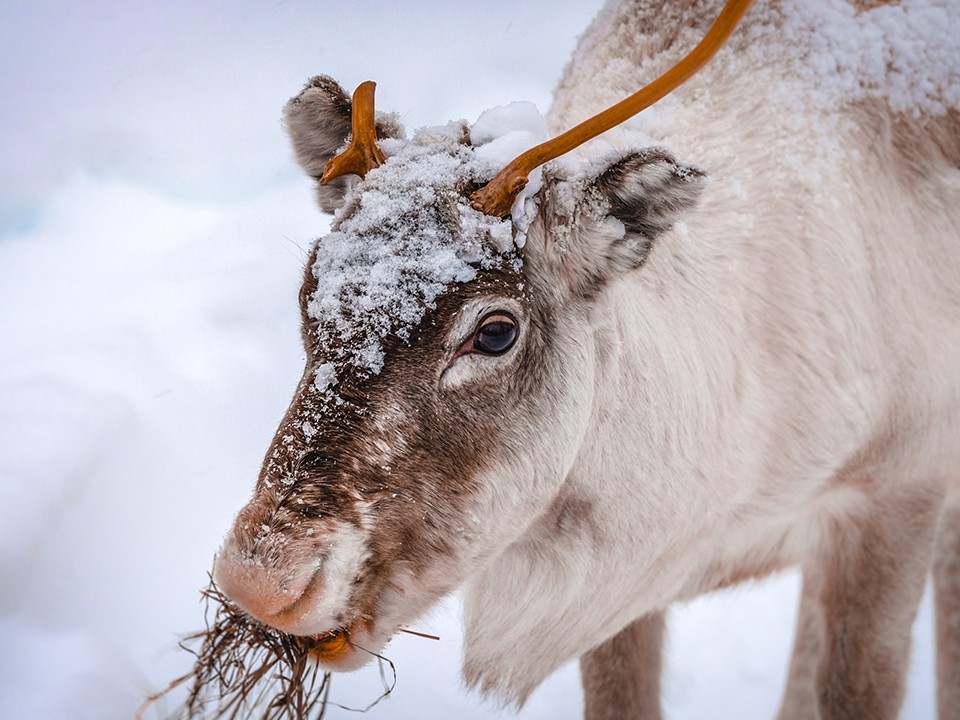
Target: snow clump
column 408, row 232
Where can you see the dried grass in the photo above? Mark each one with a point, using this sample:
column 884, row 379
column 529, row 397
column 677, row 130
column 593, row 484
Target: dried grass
column 245, row 669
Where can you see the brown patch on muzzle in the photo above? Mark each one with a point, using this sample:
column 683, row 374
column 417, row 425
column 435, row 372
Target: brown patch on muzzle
column 247, row 669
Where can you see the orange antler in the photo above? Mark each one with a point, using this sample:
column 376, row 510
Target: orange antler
column 363, row 154
column 497, row 197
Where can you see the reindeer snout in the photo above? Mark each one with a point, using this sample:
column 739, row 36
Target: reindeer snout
column 280, row 594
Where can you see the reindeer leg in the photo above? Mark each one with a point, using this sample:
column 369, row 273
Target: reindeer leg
column 800, row 697
column 621, row 678
column 946, row 584
column 859, row 601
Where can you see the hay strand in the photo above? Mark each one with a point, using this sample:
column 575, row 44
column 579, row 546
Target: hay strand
column 245, row 669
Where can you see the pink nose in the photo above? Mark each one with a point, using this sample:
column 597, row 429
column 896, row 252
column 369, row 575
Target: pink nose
column 279, row 596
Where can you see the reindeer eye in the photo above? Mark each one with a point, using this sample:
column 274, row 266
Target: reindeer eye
column 496, row 334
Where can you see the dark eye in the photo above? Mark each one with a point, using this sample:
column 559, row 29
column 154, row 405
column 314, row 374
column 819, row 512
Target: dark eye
column 496, row 334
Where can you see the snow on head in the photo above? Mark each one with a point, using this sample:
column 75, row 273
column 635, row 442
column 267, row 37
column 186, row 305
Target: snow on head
column 504, row 124
column 505, row 132
column 408, row 232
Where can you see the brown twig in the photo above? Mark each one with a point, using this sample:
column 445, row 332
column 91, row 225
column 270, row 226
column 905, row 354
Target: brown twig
column 419, row 634
column 151, row 699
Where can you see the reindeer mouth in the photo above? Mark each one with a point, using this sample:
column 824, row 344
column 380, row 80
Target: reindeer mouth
column 345, row 648
column 330, row 649
column 329, row 646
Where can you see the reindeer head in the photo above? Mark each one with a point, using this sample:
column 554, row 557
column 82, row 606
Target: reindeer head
column 449, row 375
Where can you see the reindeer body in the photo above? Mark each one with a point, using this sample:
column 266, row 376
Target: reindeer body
column 715, row 377
column 814, row 307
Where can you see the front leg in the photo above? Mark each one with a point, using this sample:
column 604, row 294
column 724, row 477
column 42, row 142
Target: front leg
column 946, row 583
column 860, row 598
column 621, row 677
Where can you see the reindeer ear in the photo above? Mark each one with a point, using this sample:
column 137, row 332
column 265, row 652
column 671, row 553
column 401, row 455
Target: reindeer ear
column 318, row 121
column 647, row 191
column 615, row 219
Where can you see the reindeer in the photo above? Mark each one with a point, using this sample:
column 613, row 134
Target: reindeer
column 653, row 379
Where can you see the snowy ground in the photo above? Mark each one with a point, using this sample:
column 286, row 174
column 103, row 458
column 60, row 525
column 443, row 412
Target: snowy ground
column 152, row 233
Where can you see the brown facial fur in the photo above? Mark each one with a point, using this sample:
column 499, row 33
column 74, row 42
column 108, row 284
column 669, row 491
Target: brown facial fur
column 414, row 503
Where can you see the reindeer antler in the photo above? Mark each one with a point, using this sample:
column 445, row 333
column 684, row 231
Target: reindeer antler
column 362, row 154
column 497, row 197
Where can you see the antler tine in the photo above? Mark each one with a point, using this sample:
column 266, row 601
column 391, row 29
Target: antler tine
column 497, row 197
column 362, row 154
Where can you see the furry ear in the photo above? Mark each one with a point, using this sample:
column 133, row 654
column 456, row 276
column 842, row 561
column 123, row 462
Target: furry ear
column 595, row 228
column 647, row 191
column 318, row 121
column 591, row 229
